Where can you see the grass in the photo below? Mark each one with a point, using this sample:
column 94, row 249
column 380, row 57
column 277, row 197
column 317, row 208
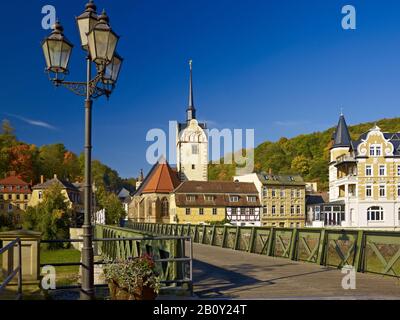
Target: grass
column 65, row 275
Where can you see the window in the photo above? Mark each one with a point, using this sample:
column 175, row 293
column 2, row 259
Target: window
column 398, row 190
column 298, row 193
column 375, row 150
column 382, row 190
column 201, row 211
column 164, row 207
column 368, row 170
column 26, row 197
column 188, row 211
column 265, row 210
column 18, row 188
column 273, row 210
column 368, row 191
column 297, row 224
column 214, row 211
column 292, row 209
column 234, row 198
column 1, row 197
column 273, row 193
column 251, row 199
column 210, row 198
column 265, row 192
column 10, row 208
column 282, row 210
column 193, row 167
column 398, row 169
column 1, row 187
column 282, row 193
column 195, row 149
column 298, row 209
column 190, row 198
column 382, row 170
column 375, row 214
column 40, row 195
column 252, row 211
column 17, row 196
column 292, row 193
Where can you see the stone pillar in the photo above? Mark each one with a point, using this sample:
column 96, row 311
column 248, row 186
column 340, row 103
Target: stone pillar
column 30, row 241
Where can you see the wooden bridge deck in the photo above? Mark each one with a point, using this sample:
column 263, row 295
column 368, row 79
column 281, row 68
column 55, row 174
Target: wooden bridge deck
column 226, row 274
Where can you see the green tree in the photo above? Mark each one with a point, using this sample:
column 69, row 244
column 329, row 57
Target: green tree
column 112, row 205
column 301, row 165
column 51, row 217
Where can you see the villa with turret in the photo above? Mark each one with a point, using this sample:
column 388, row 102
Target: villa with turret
column 364, row 181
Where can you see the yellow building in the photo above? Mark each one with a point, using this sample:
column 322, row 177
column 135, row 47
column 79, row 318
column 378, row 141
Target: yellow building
column 14, row 197
column 72, row 192
column 364, row 180
column 282, row 198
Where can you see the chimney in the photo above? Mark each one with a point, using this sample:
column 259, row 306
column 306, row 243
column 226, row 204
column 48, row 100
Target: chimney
column 55, row 176
column 270, row 171
column 41, row 179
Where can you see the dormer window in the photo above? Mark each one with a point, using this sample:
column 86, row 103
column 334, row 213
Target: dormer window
column 251, row 198
column 191, row 198
column 209, row 197
column 234, row 198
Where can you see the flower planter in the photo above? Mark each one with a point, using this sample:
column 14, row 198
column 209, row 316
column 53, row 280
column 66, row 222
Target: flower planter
column 142, row 293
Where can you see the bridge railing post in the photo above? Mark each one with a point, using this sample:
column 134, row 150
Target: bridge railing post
column 235, row 246
column 293, row 244
column 271, row 239
column 224, row 237
column 359, row 258
column 321, row 249
column 252, row 238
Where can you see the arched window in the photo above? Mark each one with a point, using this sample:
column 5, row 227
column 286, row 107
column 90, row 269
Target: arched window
column 164, row 207
column 375, row 214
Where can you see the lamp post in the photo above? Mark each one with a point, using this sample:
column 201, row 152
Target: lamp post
column 99, row 41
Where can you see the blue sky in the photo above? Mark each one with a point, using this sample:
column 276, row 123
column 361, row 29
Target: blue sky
column 281, row 67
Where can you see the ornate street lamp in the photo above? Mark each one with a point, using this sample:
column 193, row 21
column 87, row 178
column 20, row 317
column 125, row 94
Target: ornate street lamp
column 57, row 51
column 100, row 42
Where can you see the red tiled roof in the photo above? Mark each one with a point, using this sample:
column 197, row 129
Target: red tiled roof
column 161, row 179
column 13, row 182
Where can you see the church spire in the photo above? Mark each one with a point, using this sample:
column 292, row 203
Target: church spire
column 191, row 111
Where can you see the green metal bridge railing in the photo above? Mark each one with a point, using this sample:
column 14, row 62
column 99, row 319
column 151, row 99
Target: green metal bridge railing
column 368, row 251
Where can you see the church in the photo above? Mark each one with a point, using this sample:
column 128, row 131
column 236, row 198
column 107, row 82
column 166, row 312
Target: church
column 184, row 194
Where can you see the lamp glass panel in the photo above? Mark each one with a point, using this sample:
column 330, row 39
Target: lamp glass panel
column 92, row 45
column 46, row 53
column 55, row 49
column 115, row 70
column 83, row 25
column 112, row 44
column 101, row 39
column 65, row 54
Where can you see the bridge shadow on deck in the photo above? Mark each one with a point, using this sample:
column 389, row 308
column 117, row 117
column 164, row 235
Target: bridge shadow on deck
column 215, row 282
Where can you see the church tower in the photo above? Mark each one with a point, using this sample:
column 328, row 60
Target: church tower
column 192, row 143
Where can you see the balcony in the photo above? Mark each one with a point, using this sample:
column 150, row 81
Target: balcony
column 345, row 159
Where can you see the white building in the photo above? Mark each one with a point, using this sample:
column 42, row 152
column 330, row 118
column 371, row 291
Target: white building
column 364, row 180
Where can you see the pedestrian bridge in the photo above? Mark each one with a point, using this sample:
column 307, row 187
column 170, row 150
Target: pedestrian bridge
column 269, row 263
